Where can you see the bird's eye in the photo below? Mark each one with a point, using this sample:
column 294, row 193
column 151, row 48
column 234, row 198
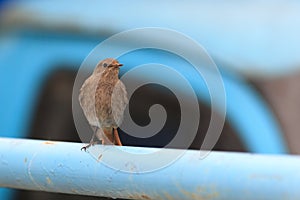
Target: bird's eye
column 105, row 65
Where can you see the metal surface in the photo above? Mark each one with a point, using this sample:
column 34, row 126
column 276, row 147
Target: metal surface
column 62, row 167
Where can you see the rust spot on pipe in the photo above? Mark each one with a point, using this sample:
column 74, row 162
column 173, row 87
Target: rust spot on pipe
column 198, row 194
column 140, row 196
column 49, row 142
column 145, row 196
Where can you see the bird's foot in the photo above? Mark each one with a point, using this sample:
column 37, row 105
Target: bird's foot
column 89, row 145
column 85, row 147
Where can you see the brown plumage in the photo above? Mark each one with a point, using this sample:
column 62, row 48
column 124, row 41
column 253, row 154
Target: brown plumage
column 103, row 98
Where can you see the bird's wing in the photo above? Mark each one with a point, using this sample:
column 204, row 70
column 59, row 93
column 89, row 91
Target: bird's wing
column 119, row 101
column 87, row 99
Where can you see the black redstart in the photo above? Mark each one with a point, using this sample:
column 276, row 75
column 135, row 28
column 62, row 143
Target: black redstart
column 103, row 98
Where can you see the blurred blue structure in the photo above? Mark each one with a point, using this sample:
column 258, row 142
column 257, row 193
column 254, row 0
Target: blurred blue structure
column 29, row 55
column 41, row 165
column 38, row 56
column 253, row 38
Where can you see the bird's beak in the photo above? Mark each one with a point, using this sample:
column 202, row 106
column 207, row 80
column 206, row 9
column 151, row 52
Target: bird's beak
column 119, row 65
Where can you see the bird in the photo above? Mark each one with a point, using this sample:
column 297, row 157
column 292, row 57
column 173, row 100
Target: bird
column 103, row 99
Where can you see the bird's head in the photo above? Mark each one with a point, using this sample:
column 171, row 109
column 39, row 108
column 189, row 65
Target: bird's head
column 108, row 63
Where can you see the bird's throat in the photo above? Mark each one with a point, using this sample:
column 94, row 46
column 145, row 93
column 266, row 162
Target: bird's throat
column 110, row 75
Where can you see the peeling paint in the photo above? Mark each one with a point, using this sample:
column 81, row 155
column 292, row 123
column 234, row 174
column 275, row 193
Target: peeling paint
column 99, row 157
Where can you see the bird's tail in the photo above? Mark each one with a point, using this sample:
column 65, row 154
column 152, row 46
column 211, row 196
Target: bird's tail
column 107, row 136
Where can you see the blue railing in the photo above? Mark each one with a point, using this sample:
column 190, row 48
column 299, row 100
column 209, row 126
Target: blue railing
column 62, row 167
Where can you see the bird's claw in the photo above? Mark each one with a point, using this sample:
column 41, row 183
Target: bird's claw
column 83, row 148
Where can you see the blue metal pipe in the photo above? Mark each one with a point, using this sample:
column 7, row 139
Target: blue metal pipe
column 61, row 167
